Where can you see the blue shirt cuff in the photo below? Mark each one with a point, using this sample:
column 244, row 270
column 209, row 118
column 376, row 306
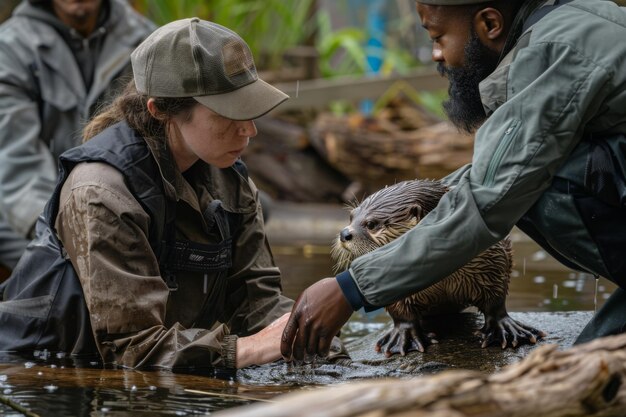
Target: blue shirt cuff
column 350, row 290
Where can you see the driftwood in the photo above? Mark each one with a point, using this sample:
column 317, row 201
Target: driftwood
column 399, row 142
column 307, row 156
column 586, row 380
column 282, row 163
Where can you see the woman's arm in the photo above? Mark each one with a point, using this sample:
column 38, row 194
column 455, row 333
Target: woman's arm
column 255, row 297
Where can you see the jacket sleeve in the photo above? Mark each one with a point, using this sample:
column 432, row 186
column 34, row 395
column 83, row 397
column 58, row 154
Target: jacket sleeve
column 255, row 298
column 552, row 90
column 104, row 231
column 28, row 171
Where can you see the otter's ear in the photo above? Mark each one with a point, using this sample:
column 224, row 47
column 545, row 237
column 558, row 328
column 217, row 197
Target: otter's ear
column 417, row 212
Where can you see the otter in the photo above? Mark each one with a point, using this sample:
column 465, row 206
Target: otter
column 483, row 282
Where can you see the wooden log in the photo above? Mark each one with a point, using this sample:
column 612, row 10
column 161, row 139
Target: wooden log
column 282, row 163
column 276, row 133
column 398, row 144
column 300, row 176
column 585, row 380
column 316, row 94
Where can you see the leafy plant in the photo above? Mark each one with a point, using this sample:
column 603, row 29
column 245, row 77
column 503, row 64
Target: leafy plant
column 343, row 51
column 348, row 40
column 270, row 27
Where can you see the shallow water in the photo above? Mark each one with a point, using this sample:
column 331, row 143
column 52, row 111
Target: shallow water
column 49, row 385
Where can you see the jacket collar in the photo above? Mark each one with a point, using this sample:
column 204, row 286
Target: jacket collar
column 167, row 166
column 518, row 24
column 226, row 185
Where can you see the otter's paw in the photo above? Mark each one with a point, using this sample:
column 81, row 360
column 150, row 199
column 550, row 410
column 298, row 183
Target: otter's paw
column 506, row 330
column 403, row 338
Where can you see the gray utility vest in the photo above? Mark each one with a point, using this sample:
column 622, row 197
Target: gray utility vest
column 43, row 305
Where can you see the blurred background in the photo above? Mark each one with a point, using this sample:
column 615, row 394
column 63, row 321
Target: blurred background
column 365, row 107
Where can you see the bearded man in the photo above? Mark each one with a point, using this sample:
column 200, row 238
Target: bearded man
column 543, row 85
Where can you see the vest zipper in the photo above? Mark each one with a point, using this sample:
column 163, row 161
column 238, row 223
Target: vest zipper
column 503, row 145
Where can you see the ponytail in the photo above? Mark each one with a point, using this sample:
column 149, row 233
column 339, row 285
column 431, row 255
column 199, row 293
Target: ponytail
column 131, row 106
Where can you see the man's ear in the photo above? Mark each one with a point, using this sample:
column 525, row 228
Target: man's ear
column 489, row 25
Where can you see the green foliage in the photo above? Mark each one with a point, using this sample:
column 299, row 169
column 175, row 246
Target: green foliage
column 270, row 27
column 343, row 51
column 433, row 100
column 348, row 40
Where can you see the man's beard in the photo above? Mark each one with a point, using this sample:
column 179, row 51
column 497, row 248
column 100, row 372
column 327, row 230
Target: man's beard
column 464, row 107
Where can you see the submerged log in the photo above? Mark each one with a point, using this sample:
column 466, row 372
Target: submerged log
column 585, row 380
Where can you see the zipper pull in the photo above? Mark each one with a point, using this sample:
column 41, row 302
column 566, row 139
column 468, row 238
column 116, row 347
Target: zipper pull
column 170, row 280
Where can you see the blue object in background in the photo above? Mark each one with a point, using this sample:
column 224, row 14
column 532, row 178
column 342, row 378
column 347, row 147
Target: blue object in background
column 376, row 32
column 374, row 48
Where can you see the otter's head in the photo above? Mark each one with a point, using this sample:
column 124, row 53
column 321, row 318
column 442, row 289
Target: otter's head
column 383, row 216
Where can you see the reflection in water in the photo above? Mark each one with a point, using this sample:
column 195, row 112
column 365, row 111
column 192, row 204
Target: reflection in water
column 48, row 384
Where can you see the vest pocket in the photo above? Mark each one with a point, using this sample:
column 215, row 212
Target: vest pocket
column 36, row 307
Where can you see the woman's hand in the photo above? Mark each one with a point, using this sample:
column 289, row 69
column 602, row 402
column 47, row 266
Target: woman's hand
column 261, row 347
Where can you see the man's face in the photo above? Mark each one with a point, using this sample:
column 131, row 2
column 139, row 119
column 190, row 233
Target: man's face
column 76, row 13
column 463, row 59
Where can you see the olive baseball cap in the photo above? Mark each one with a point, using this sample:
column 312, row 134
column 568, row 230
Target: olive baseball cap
column 206, row 61
column 452, row 2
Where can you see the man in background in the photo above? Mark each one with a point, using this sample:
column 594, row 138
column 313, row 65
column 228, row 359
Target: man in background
column 60, row 61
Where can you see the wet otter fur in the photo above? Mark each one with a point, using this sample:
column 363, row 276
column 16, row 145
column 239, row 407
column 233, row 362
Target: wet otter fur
column 482, row 282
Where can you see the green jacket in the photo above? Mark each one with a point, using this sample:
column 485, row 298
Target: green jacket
column 565, row 79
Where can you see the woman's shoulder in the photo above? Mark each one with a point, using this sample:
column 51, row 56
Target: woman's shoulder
column 96, row 175
column 96, row 172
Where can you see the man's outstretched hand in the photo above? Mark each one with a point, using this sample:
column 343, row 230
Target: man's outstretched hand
column 316, row 317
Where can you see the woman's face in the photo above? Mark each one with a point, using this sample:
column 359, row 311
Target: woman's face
column 204, row 134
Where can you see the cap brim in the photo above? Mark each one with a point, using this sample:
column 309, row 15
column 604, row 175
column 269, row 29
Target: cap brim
column 245, row 103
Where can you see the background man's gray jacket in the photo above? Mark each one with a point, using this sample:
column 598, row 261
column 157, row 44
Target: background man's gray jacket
column 43, row 99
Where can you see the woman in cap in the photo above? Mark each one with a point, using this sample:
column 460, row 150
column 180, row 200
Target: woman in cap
column 152, row 250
